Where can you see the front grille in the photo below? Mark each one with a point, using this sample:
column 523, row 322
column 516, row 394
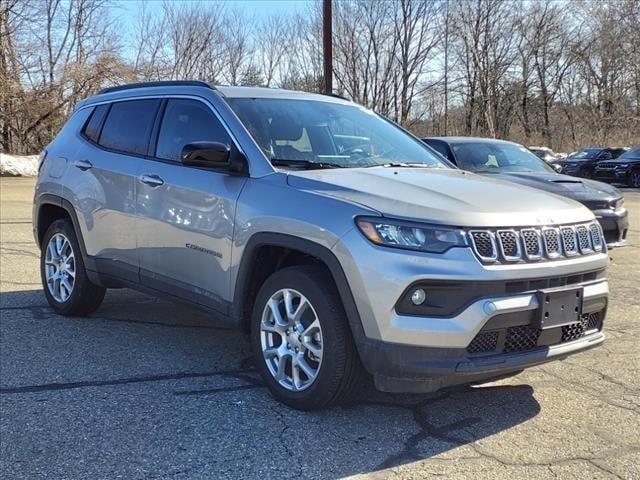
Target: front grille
column 596, row 236
column 551, row 242
column 533, row 244
column 569, row 241
column 523, row 338
column 484, row 245
column 584, row 239
column 606, row 165
column 484, row 342
column 509, row 244
column 574, row 331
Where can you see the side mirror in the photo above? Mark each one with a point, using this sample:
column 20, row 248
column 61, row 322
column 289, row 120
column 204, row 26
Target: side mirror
column 206, row 155
column 557, row 167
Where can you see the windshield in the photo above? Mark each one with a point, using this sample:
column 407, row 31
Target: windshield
column 586, row 153
column 498, row 158
column 319, row 134
column 633, row 154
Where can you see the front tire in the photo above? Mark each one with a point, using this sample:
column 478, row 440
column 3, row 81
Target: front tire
column 634, row 178
column 64, row 279
column 301, row 341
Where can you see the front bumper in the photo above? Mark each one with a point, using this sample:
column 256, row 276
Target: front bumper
column 615, row 225
column 405, row 368
column 408, row 371
column 420, row 352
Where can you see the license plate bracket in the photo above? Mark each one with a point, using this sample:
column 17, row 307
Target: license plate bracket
column 559, row 307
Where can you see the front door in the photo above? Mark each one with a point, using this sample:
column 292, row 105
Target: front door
column 185, row 215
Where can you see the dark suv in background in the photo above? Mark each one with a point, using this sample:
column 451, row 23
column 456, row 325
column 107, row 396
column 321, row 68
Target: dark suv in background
column 515, row 163
column 583, row 162
column 624, row 169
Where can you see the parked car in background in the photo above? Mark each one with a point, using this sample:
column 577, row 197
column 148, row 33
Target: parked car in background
column 515, row 163
column 624, row 169
column 583, row 162
column 544, row 153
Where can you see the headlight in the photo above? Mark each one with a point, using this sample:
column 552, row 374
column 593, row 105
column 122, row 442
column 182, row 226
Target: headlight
column 409, row 235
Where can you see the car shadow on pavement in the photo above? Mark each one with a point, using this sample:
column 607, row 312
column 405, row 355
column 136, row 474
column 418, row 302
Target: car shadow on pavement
column 178, row 364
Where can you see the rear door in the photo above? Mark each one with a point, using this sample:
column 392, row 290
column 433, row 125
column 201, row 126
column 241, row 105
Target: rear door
column 102, row 181
column 185, row 215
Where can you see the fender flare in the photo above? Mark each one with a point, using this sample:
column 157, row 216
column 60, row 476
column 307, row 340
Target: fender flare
column 310, row 248
column 50, row 199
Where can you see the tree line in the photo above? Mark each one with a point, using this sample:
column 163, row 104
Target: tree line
column 560, row 73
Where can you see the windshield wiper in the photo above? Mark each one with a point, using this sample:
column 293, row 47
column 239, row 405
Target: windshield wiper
column 399, row 165
column 308, row 164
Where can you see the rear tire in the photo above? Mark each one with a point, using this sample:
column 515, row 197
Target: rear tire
column 298, row 326
column 64, row 278
column 634, row 179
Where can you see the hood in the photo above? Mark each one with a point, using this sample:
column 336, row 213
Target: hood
column 579, row 189
column 442, row 196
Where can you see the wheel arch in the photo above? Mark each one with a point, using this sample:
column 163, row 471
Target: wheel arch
column 293, row 248
column 53, row 207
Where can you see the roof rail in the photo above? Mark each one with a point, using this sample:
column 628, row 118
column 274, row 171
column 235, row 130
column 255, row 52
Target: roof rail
column 166, row 83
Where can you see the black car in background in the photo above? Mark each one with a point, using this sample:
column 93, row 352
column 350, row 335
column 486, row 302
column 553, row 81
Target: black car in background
column 583, row 162
column 624, row 169
column 515, row 163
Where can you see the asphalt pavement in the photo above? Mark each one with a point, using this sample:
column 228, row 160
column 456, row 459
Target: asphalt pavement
column 145, row 388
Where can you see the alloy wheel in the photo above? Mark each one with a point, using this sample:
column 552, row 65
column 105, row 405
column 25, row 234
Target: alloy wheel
column 291, row 339
column 60, row 267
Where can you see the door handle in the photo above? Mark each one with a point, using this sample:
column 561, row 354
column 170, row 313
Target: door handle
column 151, row 180
column 82, row 164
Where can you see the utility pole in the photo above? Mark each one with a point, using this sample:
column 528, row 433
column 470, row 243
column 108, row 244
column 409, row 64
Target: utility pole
column 327, row 46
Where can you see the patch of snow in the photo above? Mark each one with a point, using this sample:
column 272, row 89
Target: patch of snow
column 18, row 165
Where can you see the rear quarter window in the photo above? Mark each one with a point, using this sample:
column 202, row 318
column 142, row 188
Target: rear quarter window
column 128, row 126
column 93, row 126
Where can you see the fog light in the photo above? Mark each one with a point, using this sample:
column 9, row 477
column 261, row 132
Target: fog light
column 418, row 296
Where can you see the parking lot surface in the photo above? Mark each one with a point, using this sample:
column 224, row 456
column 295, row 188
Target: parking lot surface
column 145, row 388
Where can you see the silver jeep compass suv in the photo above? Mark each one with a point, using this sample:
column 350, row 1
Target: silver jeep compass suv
column 339, row 242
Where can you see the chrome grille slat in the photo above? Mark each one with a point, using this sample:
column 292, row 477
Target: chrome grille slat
column 507, row 245
column 584, row 239
column 596, row 237
column 532, row 243
column 569, row 241
column 484, row 244
column 552, row 242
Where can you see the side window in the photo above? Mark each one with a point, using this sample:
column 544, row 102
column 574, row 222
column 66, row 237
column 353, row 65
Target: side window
column 93, row 126
column 186, row 121
column 128, row 126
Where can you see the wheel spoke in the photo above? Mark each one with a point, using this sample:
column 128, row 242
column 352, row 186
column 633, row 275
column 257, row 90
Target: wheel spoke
column 311, row 329
column 295, row 373
column 306, row 368
column 271, row 352
column 297, row 315
column 274, row 306
column 269, row 327
column 59, row 243
column 281, row 371
column 52, row 251
column 313, row 348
